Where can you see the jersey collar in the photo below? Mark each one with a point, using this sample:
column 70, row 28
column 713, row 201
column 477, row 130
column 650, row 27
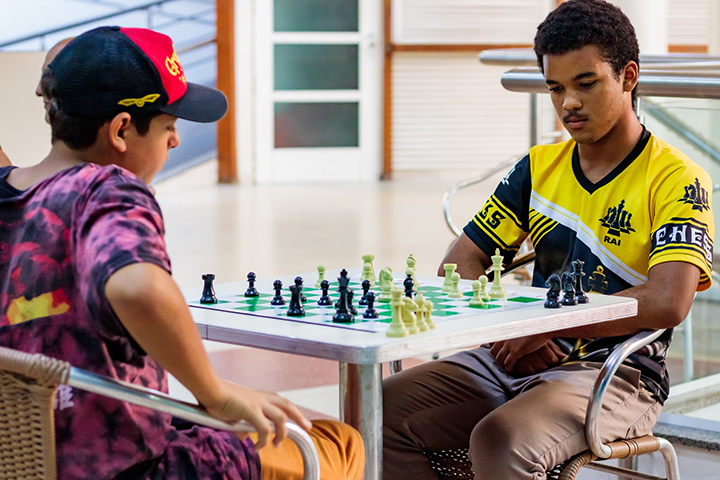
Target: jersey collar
column 592, row 187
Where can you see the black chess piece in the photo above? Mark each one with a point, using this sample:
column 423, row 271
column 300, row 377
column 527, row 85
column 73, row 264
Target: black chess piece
column 351, row 307
column 208, row 293
column 409, row 283
column 578, row 274
column 278, row 298
column 568, row 289
column 366, row 289
column 325, row 300
column 343, row 315
column 553, row 283
column 370, row 311
column 251, row 291
column 342, row 275
column 299, row 283
column 295, row 308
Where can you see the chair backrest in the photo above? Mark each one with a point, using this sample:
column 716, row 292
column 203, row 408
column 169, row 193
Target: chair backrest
column 27, row 432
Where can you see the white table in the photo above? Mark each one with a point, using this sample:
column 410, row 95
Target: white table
column 361, row 354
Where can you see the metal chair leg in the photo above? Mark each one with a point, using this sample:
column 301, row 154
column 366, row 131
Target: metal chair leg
column 395, row 367
column 688, row 339
column 672, row 470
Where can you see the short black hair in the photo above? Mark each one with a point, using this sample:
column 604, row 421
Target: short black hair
column 578, row 23
column 79, row 133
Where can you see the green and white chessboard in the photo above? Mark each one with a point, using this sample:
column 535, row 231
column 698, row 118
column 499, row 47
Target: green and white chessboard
column 444, row 308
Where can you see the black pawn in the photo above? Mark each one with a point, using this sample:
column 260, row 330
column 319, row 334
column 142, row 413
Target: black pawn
column 299, row 283
column 251, row 291
column 366, row 289
column 278, row 298
column 295, row 309
column 370, row 312
column 578, row 274
column 325, row 300
column 409, row 283
column 208, row 293
column 553, row 283
column 568, row 289
column 343, row 315
column 351, row 307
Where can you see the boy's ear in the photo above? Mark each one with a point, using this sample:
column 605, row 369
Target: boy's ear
column 117, row 131
column 630, row 76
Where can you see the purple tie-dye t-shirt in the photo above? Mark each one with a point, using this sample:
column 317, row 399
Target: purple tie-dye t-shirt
column 60, row 241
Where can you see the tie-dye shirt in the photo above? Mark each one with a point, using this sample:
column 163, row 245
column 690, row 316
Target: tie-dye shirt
column 60, row 241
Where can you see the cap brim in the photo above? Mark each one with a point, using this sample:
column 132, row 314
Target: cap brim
column 199, row 104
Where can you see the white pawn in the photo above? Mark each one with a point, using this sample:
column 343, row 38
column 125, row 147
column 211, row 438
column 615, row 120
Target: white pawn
column 367, row 274
column 411, row 262
column 476, row 301
column 321, row 275
column 455, row 290
column 421, row 323
column 428, row 314
column 483, row 284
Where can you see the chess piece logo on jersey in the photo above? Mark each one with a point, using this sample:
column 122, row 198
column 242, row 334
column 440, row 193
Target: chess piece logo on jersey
column 617, row 221
column 696, row 196
column 597, row 281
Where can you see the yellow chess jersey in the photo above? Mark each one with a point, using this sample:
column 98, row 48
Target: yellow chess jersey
column 652, row 208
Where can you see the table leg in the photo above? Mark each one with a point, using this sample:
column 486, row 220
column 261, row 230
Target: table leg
column 361, row 407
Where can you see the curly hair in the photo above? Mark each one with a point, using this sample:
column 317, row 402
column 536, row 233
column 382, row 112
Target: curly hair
column 578, row 23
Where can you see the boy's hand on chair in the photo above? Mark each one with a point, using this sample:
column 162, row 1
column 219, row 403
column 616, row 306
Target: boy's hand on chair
column 259, row 409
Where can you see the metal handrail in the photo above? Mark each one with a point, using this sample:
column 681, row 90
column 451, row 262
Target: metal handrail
column 517, row 57
column 655, row 83
column 159, row 401
column 40, row 35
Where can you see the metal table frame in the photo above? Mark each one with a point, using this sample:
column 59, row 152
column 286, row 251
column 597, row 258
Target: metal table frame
column 360, row 354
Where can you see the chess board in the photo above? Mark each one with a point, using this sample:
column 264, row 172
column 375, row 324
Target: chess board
column 444, row 307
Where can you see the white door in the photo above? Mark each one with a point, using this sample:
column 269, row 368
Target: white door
column 319, row 90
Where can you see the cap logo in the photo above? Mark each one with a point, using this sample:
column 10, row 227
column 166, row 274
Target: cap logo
column 173, row 65
column 140, row 102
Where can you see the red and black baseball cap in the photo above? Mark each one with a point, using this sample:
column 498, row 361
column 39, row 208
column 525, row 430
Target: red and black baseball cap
column 110, row 70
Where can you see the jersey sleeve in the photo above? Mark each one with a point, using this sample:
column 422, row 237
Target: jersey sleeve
column 119, row 223
column 503, row 221
column 683, row 228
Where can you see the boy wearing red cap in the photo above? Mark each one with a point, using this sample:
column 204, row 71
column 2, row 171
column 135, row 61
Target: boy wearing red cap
column 86, row 277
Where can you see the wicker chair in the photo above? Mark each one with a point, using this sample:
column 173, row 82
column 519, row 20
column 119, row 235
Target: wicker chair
column 28, row 383
column 455, row 464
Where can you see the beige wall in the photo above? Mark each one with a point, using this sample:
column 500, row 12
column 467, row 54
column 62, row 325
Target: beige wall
column 24, row 135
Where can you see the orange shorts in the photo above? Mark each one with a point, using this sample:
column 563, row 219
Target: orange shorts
column 340, row 448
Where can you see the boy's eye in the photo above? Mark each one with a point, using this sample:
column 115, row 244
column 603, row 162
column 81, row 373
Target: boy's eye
column 554, row 89
column 587, row 84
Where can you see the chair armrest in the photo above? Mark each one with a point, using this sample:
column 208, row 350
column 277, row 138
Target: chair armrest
column 159, row 401
column 611, row 365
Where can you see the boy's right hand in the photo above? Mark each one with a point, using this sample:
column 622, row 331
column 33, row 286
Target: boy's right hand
column 259, row 409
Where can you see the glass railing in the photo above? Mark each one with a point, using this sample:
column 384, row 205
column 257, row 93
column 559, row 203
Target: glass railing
column 191, row 25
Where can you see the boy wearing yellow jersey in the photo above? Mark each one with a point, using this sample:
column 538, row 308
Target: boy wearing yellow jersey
column 633, row 208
